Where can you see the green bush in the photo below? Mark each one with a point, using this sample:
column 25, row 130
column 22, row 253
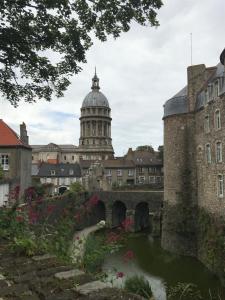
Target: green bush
column 138, row 285
column 184, row 291
column 96, row 249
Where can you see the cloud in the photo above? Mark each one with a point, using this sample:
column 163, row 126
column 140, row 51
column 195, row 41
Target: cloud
column 138, row 73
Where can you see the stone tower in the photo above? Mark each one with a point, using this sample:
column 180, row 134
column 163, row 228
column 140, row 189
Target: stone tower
column 95, row 125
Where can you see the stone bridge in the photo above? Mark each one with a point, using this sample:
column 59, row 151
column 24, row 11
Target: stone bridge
column 143, row 209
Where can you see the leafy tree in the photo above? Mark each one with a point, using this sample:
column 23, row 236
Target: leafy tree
column 145, row 148
column 76, row 187
column 65, row 28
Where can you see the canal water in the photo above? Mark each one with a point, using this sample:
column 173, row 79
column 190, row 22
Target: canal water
column 161, row 268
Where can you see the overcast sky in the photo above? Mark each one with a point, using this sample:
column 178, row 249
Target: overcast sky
column 138, row 72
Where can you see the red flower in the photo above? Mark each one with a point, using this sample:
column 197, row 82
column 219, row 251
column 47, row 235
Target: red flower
column 19, row 219
column 127, row 224
column 33, row 216
column 77, row 238
column 77, row 217
column 93, row 201
column 50, row 209
column 128, row 255
column 113, row 238
column 119, row 275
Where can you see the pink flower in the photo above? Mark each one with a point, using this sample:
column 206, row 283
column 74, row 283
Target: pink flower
column 128, row 255
column 127, row 224
column 119, row 275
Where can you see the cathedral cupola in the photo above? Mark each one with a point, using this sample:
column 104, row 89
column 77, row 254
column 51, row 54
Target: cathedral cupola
column 95, row 125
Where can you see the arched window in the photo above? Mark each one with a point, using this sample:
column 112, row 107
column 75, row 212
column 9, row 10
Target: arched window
column 208, row 153
column 219, row 151
column 220, row 185
column 217, row 119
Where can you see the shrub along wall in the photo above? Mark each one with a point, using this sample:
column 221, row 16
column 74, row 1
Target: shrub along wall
column 190, row 230
column 211, row 242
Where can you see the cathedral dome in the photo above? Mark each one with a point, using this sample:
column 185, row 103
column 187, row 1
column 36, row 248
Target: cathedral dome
column 95, row 97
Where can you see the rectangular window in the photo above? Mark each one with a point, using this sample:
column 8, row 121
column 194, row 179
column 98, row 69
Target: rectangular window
column 119, row 181
column 217, row 120
column 207, row 96
column 206, row 124
column 4, row 161
column 216, row 89
column 218, row 152
column 208, row 153
column 108, row 172
column 119, row 172
column 158, row 179
column 140, row 170
column 220, row 186
column 72, row 157
column 141, row 179
column 130, row 172
column 151, row 179
column 109, row 179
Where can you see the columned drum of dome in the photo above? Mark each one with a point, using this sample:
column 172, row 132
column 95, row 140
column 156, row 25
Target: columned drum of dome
column 95, row 125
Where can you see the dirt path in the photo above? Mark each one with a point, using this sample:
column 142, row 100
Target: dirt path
column 79, row 239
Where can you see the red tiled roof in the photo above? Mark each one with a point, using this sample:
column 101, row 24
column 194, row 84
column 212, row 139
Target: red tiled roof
column 8, row 137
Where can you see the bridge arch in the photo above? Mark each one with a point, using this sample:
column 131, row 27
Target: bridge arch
column 98, row 212
column 141, row 216
column 118, row 213
column 62, row 189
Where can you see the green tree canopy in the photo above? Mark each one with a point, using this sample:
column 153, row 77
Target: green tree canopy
column 145, row 148
column 31, row 30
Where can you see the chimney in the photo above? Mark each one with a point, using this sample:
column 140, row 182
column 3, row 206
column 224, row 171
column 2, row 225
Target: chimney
column 196, row 78
column 23, row 134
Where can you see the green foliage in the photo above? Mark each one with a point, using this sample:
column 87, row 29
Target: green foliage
column 65, row 28
column 96, row 249
column 211, row 235
column 77, row 187
column 138, row 285
column 184, row 291
column 1, row 172
column 145, row 148
column 26, row 245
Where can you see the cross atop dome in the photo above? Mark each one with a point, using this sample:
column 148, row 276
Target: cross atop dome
column 95, row 82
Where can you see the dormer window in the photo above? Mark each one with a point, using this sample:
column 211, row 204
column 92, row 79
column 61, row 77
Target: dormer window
column 52, row 172
column 71, row 172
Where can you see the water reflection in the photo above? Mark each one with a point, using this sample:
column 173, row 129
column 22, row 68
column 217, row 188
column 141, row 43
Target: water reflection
column 162, row 268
